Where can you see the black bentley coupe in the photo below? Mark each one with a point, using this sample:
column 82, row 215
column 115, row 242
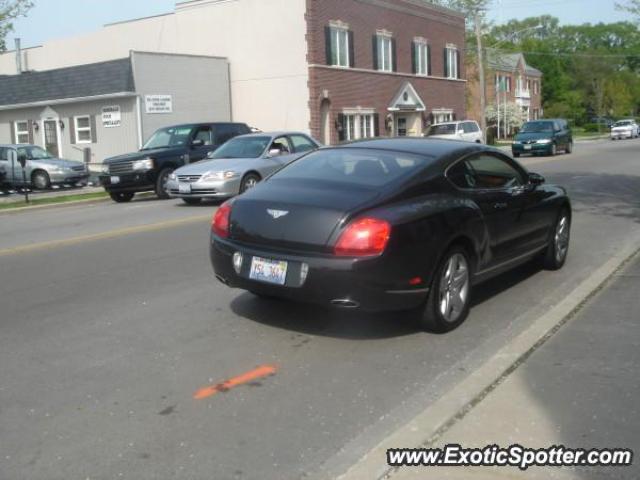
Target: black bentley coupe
column 390, row 224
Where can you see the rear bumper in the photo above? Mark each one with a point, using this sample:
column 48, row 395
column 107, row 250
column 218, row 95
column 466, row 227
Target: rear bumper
column 337, row 282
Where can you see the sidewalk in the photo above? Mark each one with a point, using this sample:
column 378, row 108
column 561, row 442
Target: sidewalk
column 58, row 192
column 580, row 390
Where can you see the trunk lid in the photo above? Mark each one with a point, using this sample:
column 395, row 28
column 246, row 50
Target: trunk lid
column 302, row 218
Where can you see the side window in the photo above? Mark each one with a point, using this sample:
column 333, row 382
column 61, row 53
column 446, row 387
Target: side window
column 4, row 154
column 461, row 176
column 473, row 128
column 205, row 135
column 224, row 132
column 302, row 144
column 282, row 144
column 489, row 171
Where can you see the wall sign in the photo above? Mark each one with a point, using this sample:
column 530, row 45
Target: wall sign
column 111, row 117
column 158, row 103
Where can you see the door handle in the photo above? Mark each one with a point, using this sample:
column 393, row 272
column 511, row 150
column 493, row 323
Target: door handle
column 500, row 205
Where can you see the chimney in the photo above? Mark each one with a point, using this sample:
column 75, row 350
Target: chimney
column 18, row 57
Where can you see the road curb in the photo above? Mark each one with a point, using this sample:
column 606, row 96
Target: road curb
column 63, row 204
column 427, row 427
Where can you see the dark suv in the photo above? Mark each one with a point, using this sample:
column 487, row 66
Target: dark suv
column 167, row 149
column 543, row 136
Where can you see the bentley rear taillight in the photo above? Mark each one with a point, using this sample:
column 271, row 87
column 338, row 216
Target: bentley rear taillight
column 363, row 237
column 220, row 224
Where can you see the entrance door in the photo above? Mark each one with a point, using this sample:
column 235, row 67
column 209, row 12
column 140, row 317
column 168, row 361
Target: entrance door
column 51, row 139
column 401, row 126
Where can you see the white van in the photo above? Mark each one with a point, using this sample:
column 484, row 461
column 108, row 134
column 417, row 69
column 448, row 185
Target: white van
column 467, row 130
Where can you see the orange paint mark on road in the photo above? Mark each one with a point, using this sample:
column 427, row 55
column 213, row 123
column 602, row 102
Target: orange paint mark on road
column 259, row 372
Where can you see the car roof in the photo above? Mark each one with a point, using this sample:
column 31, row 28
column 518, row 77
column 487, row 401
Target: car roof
column 274, row 134
column 436, row 148
column 201, row 124
column 17, row 145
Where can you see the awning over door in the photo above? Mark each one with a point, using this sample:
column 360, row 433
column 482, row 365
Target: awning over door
column 407, row 99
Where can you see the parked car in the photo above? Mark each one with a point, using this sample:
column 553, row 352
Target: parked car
column 167, row 149
column 238, row 165
column 390, row 224
column 604, row 121
column 545, row 137
column 467, row 130
column 41, row 168
column 624, row 129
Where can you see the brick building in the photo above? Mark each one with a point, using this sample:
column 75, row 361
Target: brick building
column 339, row 69
column 519, row 83
column 383, row 67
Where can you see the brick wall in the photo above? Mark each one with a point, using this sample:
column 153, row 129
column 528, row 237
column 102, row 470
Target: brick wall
column 364, row 87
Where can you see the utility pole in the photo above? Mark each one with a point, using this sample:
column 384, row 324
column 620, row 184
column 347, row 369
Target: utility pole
column 483, row 91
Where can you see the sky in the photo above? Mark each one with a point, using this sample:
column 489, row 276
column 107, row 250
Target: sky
column 51, row 19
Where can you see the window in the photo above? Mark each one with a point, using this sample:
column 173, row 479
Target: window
column 225, row 132
column 470, row 127
column 4, row 154
column 385, row 52
column 338, row 46
column 535, row 87
column 243, row 147
column 302, row 144
column 356, row 167
column 452, row 62
column 421, row 57
column 83, row 129
column 282, row 144
column 355, row 126
column 22, row 131
column 205, row 135
column 442, row 116
column 503, row 83
column 485, row 172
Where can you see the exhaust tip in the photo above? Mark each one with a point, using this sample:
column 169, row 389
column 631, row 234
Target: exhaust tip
column 344, row 303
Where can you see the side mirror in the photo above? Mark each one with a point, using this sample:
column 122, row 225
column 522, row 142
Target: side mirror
column 536, row 179
column 22, row 159
column 197, row 143
column 274, row 152
column 210, row 154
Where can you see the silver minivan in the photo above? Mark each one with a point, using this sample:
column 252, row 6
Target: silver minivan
column 41, row 168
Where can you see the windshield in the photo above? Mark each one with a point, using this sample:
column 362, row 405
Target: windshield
column 537, row 127
column 446, row 129
column 33, row 153
column 354, row 166
column 242, row 147
column 168, row 137
column 624, row 123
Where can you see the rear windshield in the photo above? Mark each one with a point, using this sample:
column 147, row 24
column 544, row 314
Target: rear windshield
column 355, row 166
column 447, row 129
column 537, row 127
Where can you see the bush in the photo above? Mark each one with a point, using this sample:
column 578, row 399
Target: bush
column 594, row 127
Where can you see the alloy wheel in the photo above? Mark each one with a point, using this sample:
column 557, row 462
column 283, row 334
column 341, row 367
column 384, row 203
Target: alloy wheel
column 562, row 238
column 454, row 288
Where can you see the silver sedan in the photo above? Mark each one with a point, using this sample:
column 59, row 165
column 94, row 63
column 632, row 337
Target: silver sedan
column 238, row 165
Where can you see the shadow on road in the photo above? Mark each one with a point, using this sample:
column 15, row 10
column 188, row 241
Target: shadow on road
column 602, row 194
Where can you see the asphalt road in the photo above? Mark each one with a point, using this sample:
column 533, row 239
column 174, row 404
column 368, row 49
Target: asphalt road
column 111, row 323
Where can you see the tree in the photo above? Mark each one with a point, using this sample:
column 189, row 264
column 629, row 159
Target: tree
column 9, row 11
column 631, row 6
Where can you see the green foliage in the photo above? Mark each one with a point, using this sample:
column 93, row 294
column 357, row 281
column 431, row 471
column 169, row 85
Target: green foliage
column 9, row 11
column 593, row 127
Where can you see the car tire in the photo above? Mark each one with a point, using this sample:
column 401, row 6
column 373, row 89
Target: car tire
column 161, row 184
column 569, row 148
column 553, row 151
column 516, row 154
column 40, row 180
column 441, row 313
column 192, row 200
column 121, row 197
column 250, row 180
column 555, row 255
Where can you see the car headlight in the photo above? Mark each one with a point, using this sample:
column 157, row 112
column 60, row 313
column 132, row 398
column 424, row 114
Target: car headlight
column 104, row 168
column 146, row 164
column 517, row 142
column 219, row 175
column 543, row 141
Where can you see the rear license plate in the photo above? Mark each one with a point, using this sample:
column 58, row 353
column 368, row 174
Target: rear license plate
column 269, row 271
column 184, row 187
column 115, row 180
column 527, row 147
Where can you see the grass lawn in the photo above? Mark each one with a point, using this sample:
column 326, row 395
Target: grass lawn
column 53, row 200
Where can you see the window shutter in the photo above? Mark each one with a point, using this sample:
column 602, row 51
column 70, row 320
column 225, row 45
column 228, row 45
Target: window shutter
column 376, row 125
column 72, row 130
column 414, row 58
column 352, row 54
column 431, row 118
column 13, row 133
column 394, row 60
column 94, row 133
column 428, row 59
column 458, row 64
column 341, row 129
column 446, row 64
column 374, row 44
column 30, row 130
column 453, row 117
column 327, row 45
